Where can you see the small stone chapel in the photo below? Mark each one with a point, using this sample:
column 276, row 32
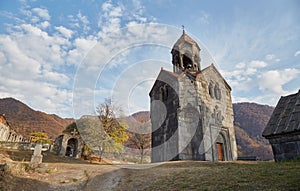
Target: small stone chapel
column 191, row 109
column 69, row 144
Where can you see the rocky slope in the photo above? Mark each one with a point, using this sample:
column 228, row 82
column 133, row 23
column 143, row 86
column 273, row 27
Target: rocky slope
column 25, row 120
column 250, row 120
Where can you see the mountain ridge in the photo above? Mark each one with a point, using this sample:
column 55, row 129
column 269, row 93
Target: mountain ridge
column 25, row 120
column 250, row 120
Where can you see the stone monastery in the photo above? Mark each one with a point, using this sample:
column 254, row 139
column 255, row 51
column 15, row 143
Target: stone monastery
column 191, row 110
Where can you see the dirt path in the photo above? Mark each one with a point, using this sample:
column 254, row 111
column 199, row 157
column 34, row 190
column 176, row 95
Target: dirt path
column 104, row 182
column 84, row 177
column 67, row 177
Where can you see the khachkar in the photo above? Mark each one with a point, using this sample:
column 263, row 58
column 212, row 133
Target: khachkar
column 191, row 110
column 37, row 156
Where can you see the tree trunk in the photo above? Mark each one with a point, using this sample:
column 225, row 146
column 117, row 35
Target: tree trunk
column 142, row 156
column 101, row 151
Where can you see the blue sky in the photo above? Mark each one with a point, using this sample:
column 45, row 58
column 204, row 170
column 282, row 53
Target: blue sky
column 65, row 57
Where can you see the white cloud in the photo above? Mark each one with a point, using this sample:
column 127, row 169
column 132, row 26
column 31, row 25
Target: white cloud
column 43, row 13
column 270, row 56
column 257, row 64
column 106, row 6
column 110, row 19
column 297, row 53
column 83, row 18
column 64, row 31
column 273, row 81
column 265, row 88
column 240, row 65
column 44, row 24
column 204, row 17
column 116, row 12
column 244, row 76
column 244, row 70
column 39, row 58
column 269, row 99
column 85, row 22
column 32, row 59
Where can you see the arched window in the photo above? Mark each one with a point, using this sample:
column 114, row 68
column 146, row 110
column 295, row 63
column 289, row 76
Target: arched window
column 217, row 92
column 211, row 90
column 163, row 93
column 166, row 92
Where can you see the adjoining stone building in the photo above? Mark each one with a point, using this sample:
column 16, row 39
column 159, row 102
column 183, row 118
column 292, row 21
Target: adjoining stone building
column 283, row 128
column 69, row 144
column 191, row 110
column 7, row 134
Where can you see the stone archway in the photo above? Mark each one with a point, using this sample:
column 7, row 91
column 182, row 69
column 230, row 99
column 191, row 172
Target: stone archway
column 72, row 147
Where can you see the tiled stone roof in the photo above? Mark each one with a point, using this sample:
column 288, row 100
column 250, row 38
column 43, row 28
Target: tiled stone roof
column 286, row 116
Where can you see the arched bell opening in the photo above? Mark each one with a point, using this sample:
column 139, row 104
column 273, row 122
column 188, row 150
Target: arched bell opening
column 187, row 62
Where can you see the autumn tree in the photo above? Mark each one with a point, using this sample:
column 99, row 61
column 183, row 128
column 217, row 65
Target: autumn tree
column 39, row 137
column 105, row 133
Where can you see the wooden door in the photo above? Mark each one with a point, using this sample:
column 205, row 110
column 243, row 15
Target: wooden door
column 220, row 151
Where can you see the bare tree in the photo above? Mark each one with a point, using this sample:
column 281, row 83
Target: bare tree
column 139, row 136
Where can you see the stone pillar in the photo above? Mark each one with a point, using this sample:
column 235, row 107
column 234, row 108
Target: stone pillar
column 37, row 156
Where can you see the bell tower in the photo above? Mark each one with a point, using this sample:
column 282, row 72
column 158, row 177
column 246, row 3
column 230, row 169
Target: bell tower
column 186, row 54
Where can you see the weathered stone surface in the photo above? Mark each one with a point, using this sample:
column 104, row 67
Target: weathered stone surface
column 191, row 110
column 37, row 156
column 7, row 134
column 69, row 144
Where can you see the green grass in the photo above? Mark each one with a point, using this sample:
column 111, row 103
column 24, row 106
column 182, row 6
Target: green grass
column 190, row 175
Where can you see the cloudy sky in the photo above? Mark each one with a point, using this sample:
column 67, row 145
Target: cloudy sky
column 65, row 57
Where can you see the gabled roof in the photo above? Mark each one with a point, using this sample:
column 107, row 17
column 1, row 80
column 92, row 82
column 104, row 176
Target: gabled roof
column 213, row 67
column 164, row 76
column 186, row 38
column 285, row 117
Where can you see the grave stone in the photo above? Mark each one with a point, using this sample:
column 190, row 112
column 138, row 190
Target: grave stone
column 37, row 156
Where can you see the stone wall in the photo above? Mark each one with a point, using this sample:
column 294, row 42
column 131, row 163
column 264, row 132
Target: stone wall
column 215, row 101
column 190, row 130
column 164, row 104
column 286, row 147
column 7, row 133
column 4, row 132
column 15, row 145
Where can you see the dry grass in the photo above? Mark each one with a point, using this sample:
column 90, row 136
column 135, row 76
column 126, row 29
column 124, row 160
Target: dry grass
column 190, row 175
column 182, row 175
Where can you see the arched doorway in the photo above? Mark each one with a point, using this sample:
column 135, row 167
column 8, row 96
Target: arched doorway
column 72, row 147
column 220, row 151
column 221, row 148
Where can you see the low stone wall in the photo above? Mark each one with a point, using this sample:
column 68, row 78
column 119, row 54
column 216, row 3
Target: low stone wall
column 15, row 145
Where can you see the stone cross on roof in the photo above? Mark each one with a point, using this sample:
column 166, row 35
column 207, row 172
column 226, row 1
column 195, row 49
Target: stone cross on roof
column 74, row 132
